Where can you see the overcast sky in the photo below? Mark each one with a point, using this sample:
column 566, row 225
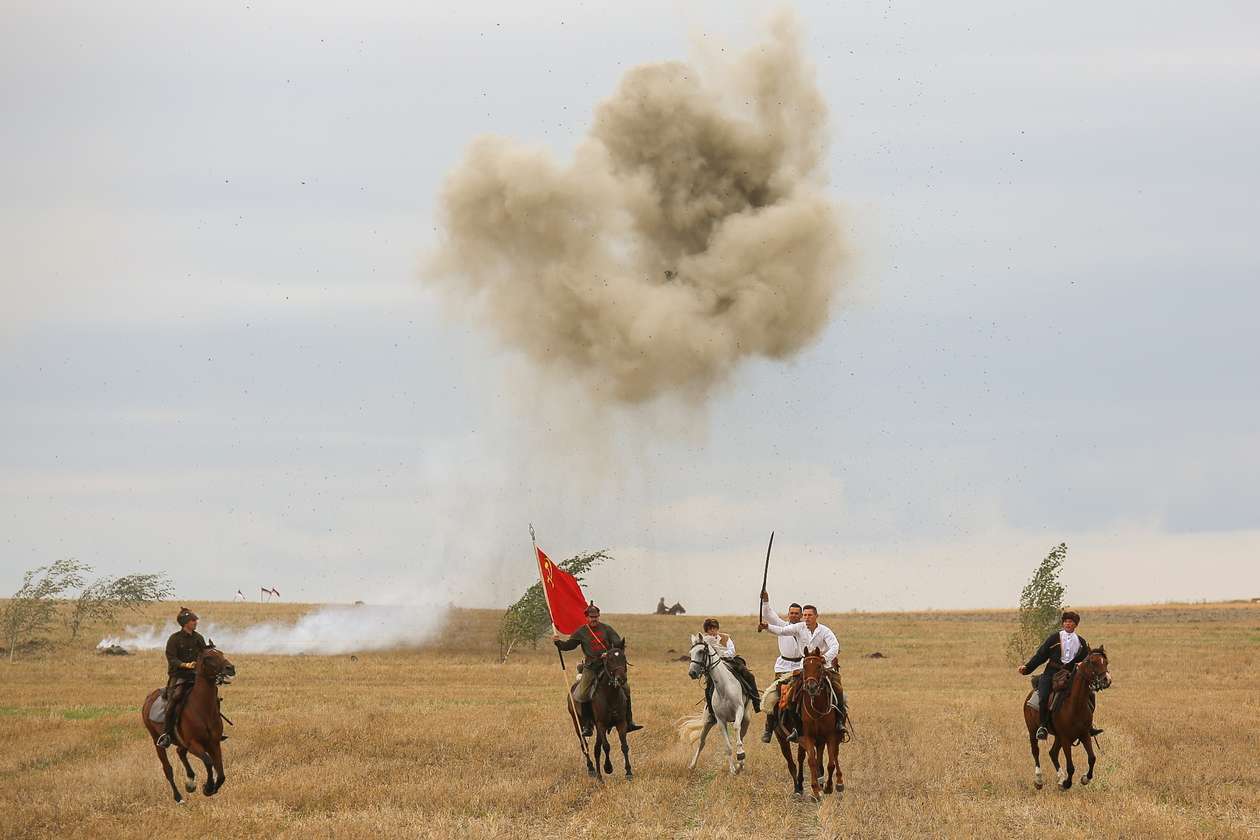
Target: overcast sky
column 218, row 359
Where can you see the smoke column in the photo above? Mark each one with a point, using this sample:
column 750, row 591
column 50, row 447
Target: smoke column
column 330, row 630
column 689, row 232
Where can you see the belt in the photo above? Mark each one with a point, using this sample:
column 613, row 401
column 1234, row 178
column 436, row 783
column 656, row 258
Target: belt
column 791, row 658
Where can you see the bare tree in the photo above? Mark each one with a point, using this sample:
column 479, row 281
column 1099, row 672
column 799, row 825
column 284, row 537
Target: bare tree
column 104, row 598
column 33, row 607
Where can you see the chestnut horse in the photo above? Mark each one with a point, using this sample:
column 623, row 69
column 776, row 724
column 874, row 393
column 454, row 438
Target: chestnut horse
column 1073, row 720
column 819, row 706
column 200, row 726
column 608, row 707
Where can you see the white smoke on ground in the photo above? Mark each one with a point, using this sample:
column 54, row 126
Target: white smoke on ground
column 689, row 233
column 327, row 631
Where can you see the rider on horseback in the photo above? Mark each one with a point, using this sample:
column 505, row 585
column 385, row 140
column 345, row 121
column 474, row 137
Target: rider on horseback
column 1061, row 649
column 595, row 639
column 726, row 649
column 795, row 635
column 182, row 650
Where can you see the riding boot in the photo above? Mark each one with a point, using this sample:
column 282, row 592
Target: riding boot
column 770, row 724
column 587, row 717
column 168, row 734
column 791, row 724
column 1043, row 731
column 631, row 726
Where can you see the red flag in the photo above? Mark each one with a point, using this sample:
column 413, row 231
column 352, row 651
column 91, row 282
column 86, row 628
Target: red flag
column 564, row 595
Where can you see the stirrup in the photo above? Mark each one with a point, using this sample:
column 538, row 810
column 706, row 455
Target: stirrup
column 164, row 740
column 794, row 736
column 1042, row 733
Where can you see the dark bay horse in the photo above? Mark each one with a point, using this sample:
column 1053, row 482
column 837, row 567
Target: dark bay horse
column 819, row 730
column 1073, row 720
column 608, row 707
column 200, row 728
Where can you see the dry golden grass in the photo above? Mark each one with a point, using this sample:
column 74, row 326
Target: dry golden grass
column 447, row 742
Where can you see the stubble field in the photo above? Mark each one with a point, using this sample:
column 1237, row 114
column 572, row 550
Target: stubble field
column 444, row 741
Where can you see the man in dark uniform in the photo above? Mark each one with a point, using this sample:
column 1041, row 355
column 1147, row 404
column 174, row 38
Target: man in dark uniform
column 595, row 638
column 1061, row 649
column 182, row 650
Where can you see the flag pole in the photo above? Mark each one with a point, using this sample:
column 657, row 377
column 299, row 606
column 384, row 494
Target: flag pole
column 564, row 679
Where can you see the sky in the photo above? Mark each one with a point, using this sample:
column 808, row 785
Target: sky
column 219, row 359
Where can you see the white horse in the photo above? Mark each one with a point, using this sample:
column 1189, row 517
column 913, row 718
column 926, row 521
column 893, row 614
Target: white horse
column 728, row 702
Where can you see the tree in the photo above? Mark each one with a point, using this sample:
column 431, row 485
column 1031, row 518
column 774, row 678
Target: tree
column 527, row 620
column 1040, row 604
column 34, row 606
column 104, row 598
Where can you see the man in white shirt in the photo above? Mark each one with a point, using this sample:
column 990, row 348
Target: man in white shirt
column 805, row 632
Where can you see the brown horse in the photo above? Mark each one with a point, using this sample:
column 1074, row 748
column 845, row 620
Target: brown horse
column 819, row 707
column 608, row 707
column 200, row 728
column 1073, row 720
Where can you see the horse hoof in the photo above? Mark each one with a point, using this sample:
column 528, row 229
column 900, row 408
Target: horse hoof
column 191, row 787
column 1065, row 785
column 739, row 756
column 1038, row 784
column 1084, row 780
column 629, row 777
column 179, row 801
column 840, row 788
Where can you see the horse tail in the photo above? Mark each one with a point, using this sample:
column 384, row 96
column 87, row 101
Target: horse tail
column 690, row 726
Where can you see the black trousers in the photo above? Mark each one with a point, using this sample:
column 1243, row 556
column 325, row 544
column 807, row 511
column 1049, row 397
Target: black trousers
column 1043, row 693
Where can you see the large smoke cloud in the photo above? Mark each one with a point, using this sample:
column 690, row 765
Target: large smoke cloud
column 689, row 232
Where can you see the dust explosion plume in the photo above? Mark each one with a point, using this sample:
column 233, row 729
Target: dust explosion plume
column 689, row 232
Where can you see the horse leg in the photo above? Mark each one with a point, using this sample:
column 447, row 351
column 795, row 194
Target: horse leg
column 833, row 746
column 191, row 784
column 1089, row 751
column 811, row 752
column 704, row 733
column 625, row 749
column 208, row 788
column 786, row 749
column 740, row 725
column 170, row 773
column 1066, row 784
column 601, row 743
column 1054, row 759
column 1036, row 754
column 216, row 755
column 730, row 748
column 800, row 767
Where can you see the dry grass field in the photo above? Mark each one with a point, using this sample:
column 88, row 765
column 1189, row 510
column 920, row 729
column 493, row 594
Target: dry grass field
column 447, row 742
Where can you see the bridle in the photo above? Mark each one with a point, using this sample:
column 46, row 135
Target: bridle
column 1096, row 671
column 813, row 688
column 710, row 660
column 614, row 680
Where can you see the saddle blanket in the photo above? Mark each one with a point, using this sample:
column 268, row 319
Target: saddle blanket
column 157, row 712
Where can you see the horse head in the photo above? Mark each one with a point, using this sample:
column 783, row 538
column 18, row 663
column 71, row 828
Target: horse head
column 214, row 666
column 615, row 665
column 701, row 656
column 812, row 670
column 1097, row 668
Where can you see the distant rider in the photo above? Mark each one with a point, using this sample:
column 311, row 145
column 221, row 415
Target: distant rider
column 182, row 650
column 1061, row 649
column 712, row 633
column 595, row 639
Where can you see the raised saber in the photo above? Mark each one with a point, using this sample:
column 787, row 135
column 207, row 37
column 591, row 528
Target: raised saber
column 764, row 575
